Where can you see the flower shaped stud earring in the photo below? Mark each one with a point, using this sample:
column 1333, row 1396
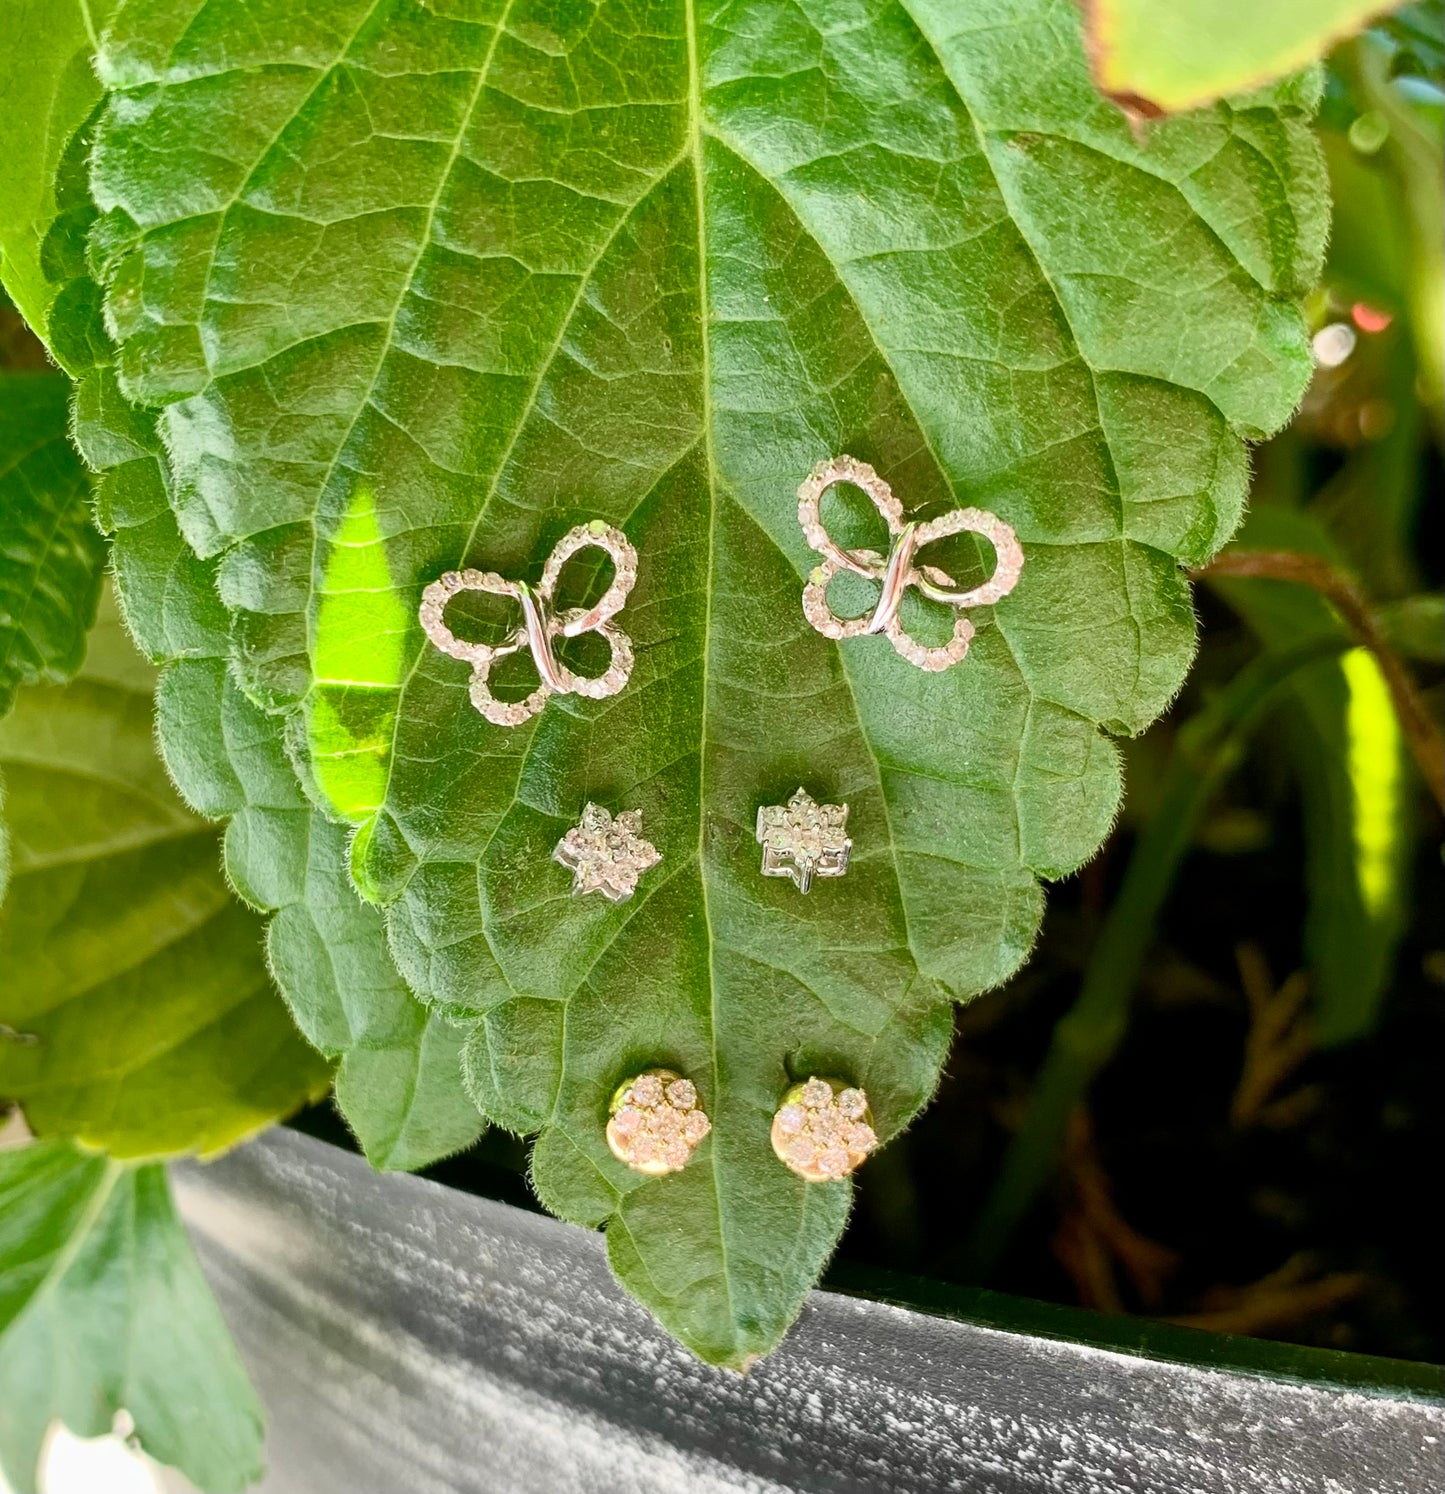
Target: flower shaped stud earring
column 896, row 572
column 540, row 625
column 803, row 840
column 655, row 1122
column 606, row 854
column 823, row 1129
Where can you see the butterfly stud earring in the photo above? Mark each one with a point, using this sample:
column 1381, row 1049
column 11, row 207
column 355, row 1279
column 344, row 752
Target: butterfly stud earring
column 896, row 571
column 541, row 625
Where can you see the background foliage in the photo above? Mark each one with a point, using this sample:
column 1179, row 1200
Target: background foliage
column 360, row 293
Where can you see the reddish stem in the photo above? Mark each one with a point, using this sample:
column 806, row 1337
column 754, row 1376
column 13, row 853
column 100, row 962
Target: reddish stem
column 1427, row 746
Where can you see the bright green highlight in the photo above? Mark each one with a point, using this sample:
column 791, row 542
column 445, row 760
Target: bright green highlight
column 1375, row 756
column 359, row 662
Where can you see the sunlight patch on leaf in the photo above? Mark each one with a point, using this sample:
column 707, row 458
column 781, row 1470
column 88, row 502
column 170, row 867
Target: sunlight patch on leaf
column 358, row 661
column 1375, row 754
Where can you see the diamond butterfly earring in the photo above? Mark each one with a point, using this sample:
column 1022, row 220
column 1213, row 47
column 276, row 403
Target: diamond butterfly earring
column 541, row 625
column 896, row 572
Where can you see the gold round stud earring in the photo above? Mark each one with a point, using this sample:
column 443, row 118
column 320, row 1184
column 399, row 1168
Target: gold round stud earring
column 823, row 1129
column 655, row 1122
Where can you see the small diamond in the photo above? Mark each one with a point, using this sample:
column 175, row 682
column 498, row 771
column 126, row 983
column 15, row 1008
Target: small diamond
column 647, row 1090
column 696, row 1126
column 676, row 1153
column 682, row 1094
column 645, row 1149
column 816, row 1093
column 834, row 1161
column 853, row 1103
column 860, row 1138
column 666, row 1123
column 628, row 1121
column 606, row 855
column 790, row 1119
column 801, row 1151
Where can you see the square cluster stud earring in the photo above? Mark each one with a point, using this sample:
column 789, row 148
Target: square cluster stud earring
column 803, row 839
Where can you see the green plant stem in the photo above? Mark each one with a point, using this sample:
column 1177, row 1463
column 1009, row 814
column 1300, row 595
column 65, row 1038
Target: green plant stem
column 1208, row 747
column 1421, row 733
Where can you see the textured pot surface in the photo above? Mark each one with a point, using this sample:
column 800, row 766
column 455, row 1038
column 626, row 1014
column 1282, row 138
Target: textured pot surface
column 409, row 1337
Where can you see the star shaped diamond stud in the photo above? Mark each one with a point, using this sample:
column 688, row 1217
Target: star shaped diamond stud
column 606, row 854
column 803, row 840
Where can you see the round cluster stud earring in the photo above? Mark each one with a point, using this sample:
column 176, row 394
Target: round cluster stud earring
column 540, row 625
column 896, row 572
column 655, row 1122
column 823, row 1129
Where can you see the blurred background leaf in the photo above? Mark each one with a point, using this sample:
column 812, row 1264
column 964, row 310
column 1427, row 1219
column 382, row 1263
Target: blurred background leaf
column 48, row 83
column 103, row 1308
column 1164, row 56
column 144, row 1021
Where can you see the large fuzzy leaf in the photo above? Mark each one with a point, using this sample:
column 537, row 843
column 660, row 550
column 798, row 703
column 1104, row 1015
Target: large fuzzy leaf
column 398, row 1080
column 144, row 1021
column 50, row 554
column 103, row 1308
column 447, row 280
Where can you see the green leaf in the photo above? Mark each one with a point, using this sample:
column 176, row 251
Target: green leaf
column 1164, row 56
column 103, row 1308
column 136, row 981
column 50, row 554
column 469, row 276
column 399, row 1082
column 48, row 82
column 1356, row 785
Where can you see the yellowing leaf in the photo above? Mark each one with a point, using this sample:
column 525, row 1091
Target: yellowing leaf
column 1164, row 56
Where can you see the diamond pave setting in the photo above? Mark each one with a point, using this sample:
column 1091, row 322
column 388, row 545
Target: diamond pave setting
column 823, row 1129
column 803, row 840
column 896, row 571
column 541, row 625
column 606, row 853
column 655, row 1122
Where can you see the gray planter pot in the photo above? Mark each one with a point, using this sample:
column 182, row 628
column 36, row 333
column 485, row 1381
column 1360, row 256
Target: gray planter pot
column 411, row 1339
